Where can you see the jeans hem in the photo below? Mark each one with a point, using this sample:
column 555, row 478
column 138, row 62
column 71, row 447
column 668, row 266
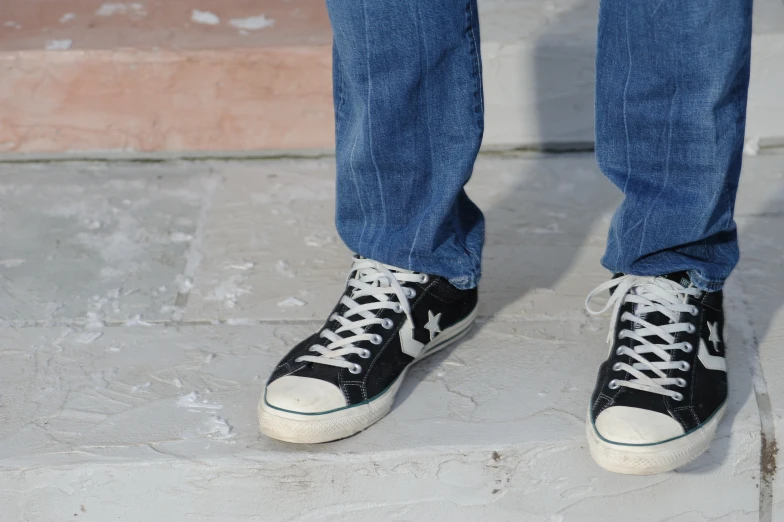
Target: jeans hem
column 466, row 282
column 700, row 282
column 461, row 282
column 703, row 284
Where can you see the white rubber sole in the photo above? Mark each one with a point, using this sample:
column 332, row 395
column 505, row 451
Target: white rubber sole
column 654, row 458
column 326, row 427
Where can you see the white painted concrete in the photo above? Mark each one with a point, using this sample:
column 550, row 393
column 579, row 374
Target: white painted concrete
column 759, row 283
column 108, row 241
column 139, row 404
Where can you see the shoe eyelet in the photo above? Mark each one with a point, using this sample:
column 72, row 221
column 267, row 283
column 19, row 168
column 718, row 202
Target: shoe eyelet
column 616, row 367
column 619, row 351
column 376, row 339
column 355, row 369
column 398, row 308
column 613, row 384
column 681, row 382
column 424, row 278
column 388, row 324
column 695, row 311
column 677, row 396
column 410, row 293
column 622, row 334
column 691, row 328
column 297, row 360
column 687, row 347
column 365, row 354
column 684, row 366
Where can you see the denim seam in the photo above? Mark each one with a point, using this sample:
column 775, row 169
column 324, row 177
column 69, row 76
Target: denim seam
column 703, row 284
column 427, row 121
column 338, row 119
column 477, row 74
column 472, row 273
column 359, row 194
column 737, row 93
column 477, row 62
column 468, row 251
column 625, row 120
column 739, row 107
column 370, row 124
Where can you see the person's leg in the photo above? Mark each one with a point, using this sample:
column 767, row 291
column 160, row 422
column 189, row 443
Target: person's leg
column 409, row 122
column 672, row 80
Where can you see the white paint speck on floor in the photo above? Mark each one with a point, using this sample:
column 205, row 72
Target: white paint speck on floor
column 132, row 354
column 252, row 23
column 135, row 9
column 58, row 45
column 204, row 17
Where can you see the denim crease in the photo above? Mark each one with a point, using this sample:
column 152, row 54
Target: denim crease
column 671, row 90
column 674, row 143
column 408, row 130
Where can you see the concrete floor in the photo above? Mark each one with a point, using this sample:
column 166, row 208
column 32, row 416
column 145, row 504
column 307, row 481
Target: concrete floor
column 142, row 306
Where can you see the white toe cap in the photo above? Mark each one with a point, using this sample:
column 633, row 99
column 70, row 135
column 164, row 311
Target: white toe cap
column 626, row 425
column 304, row 395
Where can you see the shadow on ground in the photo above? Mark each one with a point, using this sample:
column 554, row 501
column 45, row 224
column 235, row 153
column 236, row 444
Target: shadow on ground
column 533, row 238
column 532, row 245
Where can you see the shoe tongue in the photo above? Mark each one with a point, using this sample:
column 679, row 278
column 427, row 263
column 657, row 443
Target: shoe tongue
column 682, row 278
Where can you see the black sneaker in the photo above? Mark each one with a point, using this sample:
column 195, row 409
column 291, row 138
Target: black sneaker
column 661, row 393
column 344, row 378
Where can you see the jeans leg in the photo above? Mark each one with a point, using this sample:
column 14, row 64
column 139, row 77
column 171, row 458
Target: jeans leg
column 672, row 81
column 409, row 122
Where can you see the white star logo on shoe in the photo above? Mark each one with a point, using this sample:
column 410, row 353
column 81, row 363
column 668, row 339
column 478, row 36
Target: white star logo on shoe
column 432, row 324
column 714, row 335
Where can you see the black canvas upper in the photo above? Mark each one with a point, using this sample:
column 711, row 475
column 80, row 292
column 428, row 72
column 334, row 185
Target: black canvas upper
column 705, row 390
column 387, row 360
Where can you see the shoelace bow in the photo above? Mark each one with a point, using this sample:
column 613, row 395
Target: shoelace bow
column 376, row 280
column 649, row 294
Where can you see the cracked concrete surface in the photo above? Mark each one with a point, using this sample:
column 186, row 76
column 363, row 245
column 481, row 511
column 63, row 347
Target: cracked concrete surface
column 142, row 306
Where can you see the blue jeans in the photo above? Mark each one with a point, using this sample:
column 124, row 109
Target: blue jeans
column 671, row 88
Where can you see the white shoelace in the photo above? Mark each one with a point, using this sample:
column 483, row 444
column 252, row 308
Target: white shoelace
column 649, row 294
column 371, row 279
